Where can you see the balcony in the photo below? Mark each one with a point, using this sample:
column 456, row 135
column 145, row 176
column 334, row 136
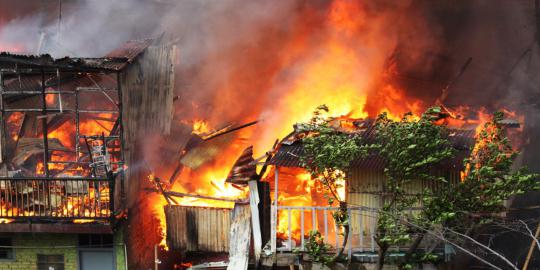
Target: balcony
column 56, row 198
column 60, row 145
column 82, row 205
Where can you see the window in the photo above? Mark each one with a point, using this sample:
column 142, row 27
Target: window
column 6, row 249
column 95, row 240
column 50, row 262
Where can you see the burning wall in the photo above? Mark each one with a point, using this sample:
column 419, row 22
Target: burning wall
column 147, row 87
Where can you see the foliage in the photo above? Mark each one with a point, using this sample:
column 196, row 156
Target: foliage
column 488, row 180
column 411, row 148
column 316, row 247
column 328, row 152
column 327, row 156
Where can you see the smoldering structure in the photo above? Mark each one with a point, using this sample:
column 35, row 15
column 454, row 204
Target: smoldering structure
column 241, row 63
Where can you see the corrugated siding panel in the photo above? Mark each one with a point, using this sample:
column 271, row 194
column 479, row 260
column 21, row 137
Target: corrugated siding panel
column 363, row 188
column 365, row 180
column 198, row 228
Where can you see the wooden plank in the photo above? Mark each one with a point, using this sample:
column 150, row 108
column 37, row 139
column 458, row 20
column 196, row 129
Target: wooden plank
column 240, row 238
column 273, row 226
column 274, row 210
column 361, row 227
column 302, row 233
column 314, row 226
column 325, row 224
column 349, row 239
column 256, row 226
column 289, row 227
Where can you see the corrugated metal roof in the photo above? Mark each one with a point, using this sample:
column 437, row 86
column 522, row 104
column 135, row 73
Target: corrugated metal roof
column 27, row 83
column 13, row 61
column 131, row 49
column 114, row 61
column 289, row 153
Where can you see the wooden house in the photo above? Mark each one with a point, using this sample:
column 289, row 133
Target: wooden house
column 364, row 193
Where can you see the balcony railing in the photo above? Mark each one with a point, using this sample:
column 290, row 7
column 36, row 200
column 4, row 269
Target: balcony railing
column 56, row 198
column 297, row 221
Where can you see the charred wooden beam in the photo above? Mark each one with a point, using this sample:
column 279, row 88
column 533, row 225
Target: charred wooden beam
column 27, row 147
column 44, row 126
column 180, row 194
column 227, row 130
column 167, row 197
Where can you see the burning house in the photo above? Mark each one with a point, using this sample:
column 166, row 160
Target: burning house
column 298, row 205
column 68, row 130
column 131, row 161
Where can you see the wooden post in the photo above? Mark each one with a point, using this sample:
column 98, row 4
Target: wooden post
column 2, row 122
column 156, row 260
column 255, row 222
column 531, row 248
column 44, row 126
column 274, row 213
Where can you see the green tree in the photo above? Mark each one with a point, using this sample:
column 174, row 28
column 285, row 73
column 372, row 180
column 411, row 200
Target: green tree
column 327, row 156
column 411, row 148
column 487, row 181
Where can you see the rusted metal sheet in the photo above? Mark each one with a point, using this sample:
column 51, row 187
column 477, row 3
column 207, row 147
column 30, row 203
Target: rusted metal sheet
column 244, row 169
column 129, row 50
column 192, row 228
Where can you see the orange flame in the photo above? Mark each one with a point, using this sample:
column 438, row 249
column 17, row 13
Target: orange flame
column 200, row 127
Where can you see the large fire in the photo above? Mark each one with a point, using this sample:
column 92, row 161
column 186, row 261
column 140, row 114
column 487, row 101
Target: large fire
column 67, row 198
column 353, row 80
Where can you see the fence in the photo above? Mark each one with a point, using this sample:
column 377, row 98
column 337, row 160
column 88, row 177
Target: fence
column 285, row 220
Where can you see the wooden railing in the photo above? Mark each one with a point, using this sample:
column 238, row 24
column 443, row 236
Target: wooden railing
column 298, row 221
column 56, row 198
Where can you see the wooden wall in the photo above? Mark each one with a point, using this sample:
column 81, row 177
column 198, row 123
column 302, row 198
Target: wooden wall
column 191, row 228
column 146, row 88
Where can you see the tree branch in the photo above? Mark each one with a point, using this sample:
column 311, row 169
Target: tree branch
column 484, row 246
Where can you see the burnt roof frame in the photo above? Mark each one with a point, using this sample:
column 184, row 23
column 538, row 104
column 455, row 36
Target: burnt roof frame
column 20, row 64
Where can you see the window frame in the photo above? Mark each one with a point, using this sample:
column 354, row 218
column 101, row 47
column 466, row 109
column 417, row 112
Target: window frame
column 38, row 262
column 13, row 254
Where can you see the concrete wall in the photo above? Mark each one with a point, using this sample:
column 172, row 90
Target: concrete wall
column 32, row 245
column 119, row 251
column 28, row 246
